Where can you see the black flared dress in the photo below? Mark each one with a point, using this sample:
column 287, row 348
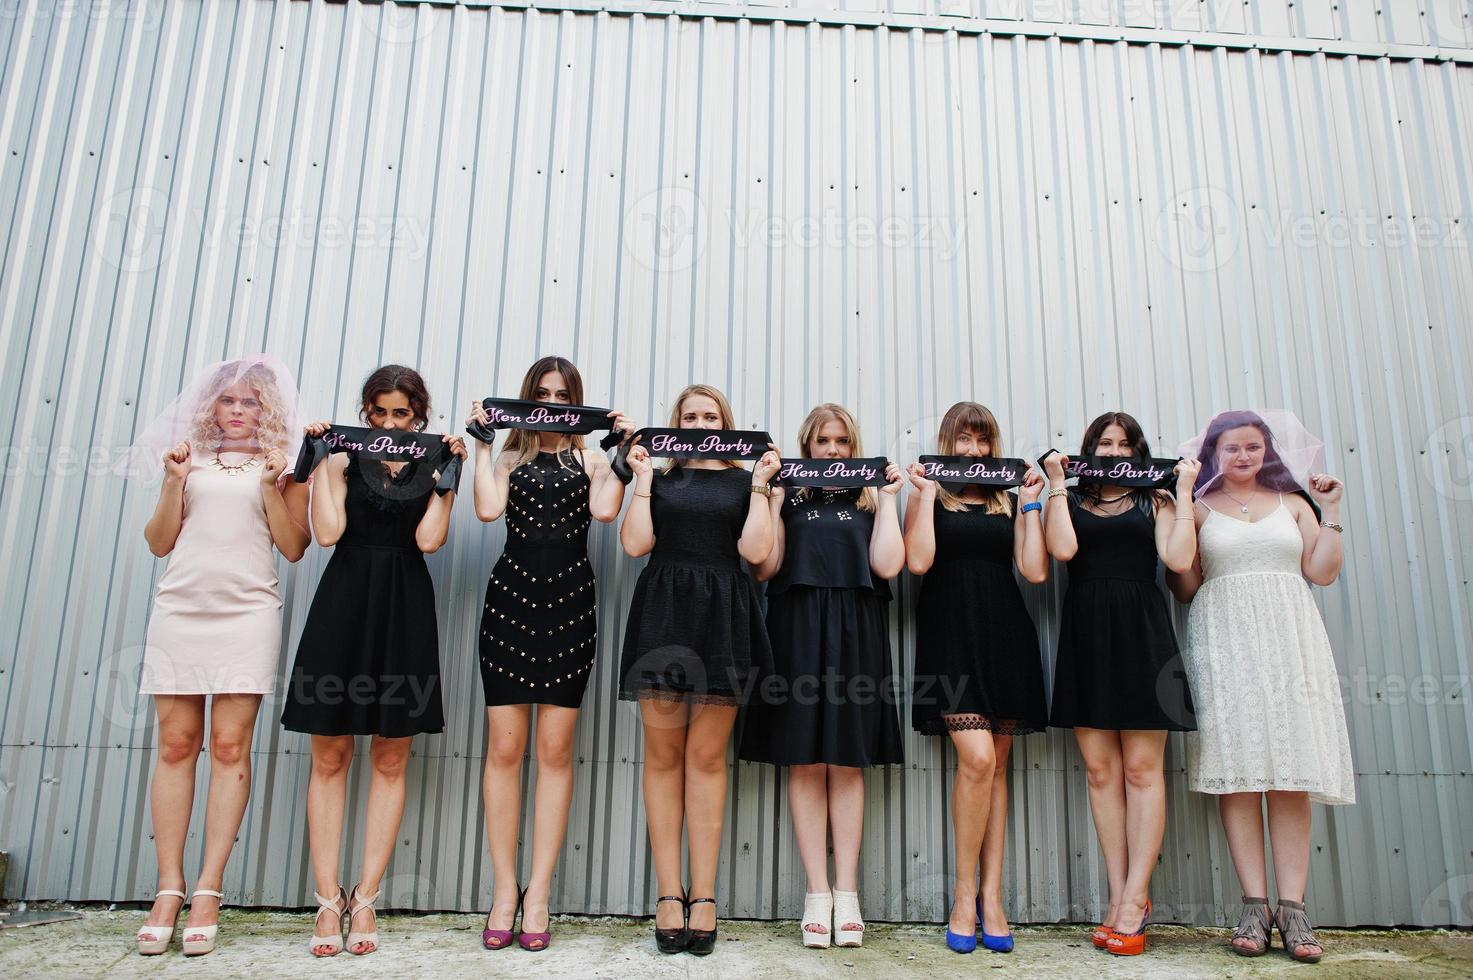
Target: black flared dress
column 695, row 631
column 977, row 662
column 1118, row 665
column 832, row 696
column 368, row 662
column 538, row 626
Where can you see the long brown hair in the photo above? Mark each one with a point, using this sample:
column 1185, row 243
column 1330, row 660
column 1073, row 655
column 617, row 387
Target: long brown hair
column 978, row 420
column 1140, row 448
column 406, row 381
column 524, row 444
column 723, row 407
column 817, row 419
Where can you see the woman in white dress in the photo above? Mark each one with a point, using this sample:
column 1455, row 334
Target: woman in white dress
column 1269, row 711
column 224, row 508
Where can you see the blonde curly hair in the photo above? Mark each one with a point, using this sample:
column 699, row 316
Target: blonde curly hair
column 205, row 432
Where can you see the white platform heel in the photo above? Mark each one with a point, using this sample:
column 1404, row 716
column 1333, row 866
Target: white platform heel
column 199, row 940
column 153, row 940
column 818, row 910
column 846, row 913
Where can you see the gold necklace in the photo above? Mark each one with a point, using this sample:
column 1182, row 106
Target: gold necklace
column 225, row 467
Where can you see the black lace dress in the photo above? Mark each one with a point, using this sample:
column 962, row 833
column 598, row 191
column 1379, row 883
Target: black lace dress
column 538, row 627
column 695, row 630
column 977, row 661
column 368, row 662
column 832, row 696
column 1118, row 665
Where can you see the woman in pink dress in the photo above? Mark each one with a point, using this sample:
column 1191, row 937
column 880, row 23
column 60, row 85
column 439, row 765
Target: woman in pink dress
column 225, row 507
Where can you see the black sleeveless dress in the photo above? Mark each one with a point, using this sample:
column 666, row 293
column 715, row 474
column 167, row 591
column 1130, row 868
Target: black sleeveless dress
column 977, row 657
column 695, row 631
column 368, row 662
column 1118, row 665
column 538, row 627
column 832, row 696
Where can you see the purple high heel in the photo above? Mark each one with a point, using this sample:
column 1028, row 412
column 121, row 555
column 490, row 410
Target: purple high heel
column 494, row 939
column 526, row 939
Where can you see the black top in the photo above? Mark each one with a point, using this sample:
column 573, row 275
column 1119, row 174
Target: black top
column 383, row 509
column 547, row 503
column 1122, row 546
column 827, row 543
column 697, row 515
column 961, row 536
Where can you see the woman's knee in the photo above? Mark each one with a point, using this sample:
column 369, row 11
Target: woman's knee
column 179, row 745
column 390, row 757
column 331, row 757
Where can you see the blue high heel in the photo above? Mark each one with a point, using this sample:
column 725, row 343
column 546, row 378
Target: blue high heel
column 998, row 944
column 960, row 944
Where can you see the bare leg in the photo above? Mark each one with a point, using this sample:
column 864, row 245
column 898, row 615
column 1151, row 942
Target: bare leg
column 555, row 728
column 1145, row 819
column 181, row 727
column 846, row 813
column 1242, row 822
column 971, row 799
column 390, row 757
column 1105, row 775
column 808, row 799
column 705, row 802
column 232, row 723
column 327, row 789
column 664, row 798
column 994, row 919
column 1289, row 821
column 501, row 793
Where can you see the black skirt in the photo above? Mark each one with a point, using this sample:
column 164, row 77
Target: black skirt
column 832, row 696
column 1118, row 666
column 538, row 628
column 368, row 662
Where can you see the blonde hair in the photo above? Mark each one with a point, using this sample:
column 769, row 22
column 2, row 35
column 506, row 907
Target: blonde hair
column 978, row 420
column 816, row 420
column 271, row 433
column 723, row 407
column 524, row 444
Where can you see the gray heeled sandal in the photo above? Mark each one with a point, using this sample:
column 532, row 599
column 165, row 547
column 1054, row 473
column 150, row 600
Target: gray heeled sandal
column 1296, row 932
column 1254, row 926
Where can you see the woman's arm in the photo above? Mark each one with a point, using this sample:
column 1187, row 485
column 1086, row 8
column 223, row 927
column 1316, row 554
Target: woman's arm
column 1176, row 527
column 1184, row 584
column 886, row 543
column 920, row 522
column 162, row 529
column 1058, row 526
column 755, row 544
column 637, row 532
column 329, row 500
column 605, row 491
column 434, row 526
column 769, row 568
column 1324, row 552
column 286, row 508
column 1029, row 553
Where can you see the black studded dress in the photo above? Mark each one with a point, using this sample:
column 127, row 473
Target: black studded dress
column 538, row 627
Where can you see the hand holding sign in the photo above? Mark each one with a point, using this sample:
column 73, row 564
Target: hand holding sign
column 893, row 480
column 1325, row 488
column 639, row 460
column 1032, row 486
column 767, row 466
column 918, row 479
column 478, row 425
column 1054, row 465
column 1186, row 471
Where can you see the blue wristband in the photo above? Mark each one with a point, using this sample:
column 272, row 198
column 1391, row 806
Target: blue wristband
column 1035, row 505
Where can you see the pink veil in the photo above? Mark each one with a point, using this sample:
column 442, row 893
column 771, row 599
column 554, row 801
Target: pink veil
column 1293, row 452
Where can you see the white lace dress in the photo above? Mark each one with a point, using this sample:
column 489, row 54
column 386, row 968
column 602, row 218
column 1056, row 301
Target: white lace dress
column 1269, row 709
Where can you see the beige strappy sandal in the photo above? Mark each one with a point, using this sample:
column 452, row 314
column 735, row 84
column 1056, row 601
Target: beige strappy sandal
column 336, row 905
column 199, row 940
column 153, row 940
column 357, row 904
column 1255, row 926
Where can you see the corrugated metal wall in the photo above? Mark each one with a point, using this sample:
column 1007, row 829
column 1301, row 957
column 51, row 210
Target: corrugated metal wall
column 893, row 219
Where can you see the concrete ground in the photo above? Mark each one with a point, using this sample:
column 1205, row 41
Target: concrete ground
column 274, row 944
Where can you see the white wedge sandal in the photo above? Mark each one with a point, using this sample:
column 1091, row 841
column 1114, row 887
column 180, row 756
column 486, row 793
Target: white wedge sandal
column 818, row 910
column 206, row 941
column 153, row 940
column 846, row 913
column 337, row 905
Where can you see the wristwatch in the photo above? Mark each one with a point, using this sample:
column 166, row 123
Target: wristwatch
column 763, row 488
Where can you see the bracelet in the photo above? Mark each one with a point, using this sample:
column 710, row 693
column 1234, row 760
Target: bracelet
column 1034, row 505
column 638, row 494
column 1058, row 492
column 763, row 488
column 1332, row 526
column 1187, row 518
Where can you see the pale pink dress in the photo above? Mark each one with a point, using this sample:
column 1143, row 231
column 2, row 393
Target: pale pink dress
column 216, row 622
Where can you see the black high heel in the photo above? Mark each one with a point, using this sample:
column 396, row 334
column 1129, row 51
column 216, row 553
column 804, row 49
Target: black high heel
column 672, row 940
column 701, row 941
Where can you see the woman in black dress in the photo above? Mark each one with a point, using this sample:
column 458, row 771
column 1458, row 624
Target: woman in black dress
column 538, row 636
column 978, row 677
column 368, row 662
column 694, row 646
column 832, row 714
column 1119, row 681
